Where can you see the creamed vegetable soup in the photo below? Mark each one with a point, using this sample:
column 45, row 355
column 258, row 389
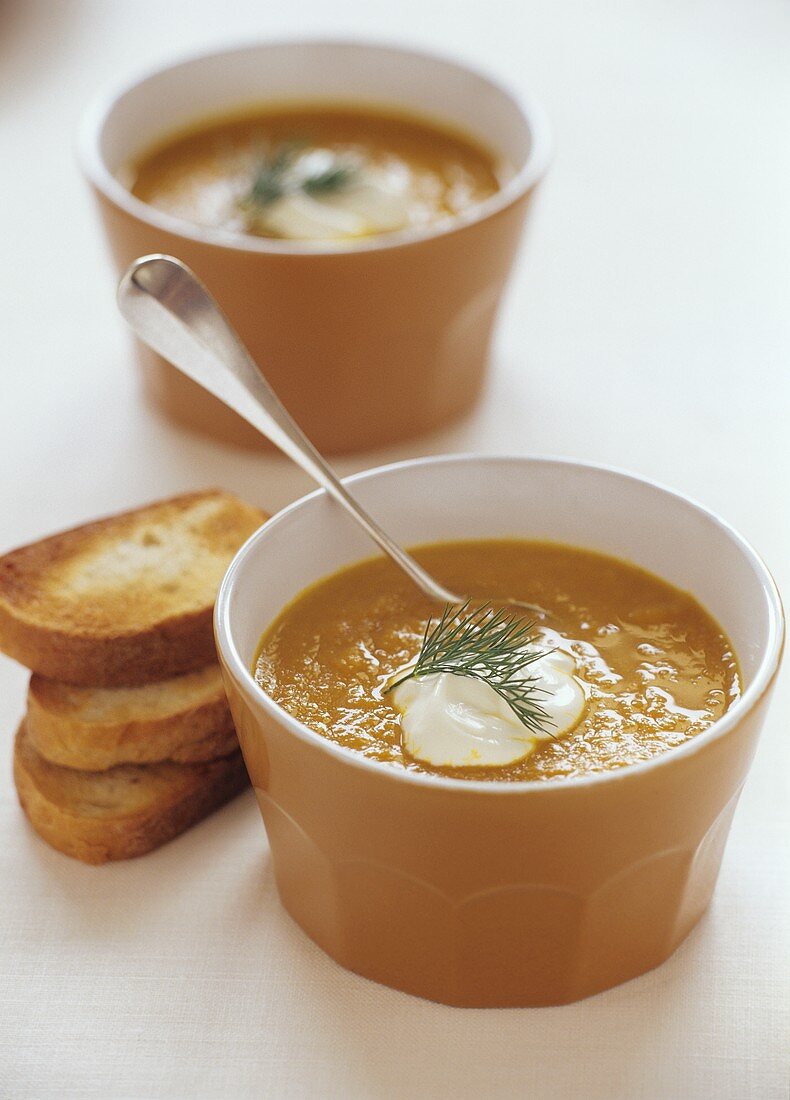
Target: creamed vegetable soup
column 618, row 667
column 316, row 172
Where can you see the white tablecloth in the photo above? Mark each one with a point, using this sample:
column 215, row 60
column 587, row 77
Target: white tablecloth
column 648, row 327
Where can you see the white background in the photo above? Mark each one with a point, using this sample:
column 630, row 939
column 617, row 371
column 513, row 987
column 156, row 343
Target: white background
column 648, row 326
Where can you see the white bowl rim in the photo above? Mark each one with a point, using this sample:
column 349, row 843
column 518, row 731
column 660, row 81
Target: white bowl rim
column 762, row 680
column 96, row 171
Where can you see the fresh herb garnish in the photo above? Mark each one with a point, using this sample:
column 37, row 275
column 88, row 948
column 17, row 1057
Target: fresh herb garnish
column 491, row 645
column 327, row 182
column 269, row 183
column 276, row 177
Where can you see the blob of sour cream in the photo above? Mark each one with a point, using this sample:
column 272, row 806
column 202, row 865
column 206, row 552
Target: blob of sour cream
column 452, row 721
column 376, row 200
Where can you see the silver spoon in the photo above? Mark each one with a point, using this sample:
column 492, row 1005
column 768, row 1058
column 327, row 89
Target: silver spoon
column 173, row 313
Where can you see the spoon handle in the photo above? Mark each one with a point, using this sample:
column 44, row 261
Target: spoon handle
column 173, row 313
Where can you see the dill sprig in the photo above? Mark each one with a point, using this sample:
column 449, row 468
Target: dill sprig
column 494, row 646
column 269, row 182
column 275, row 177
column 330, row 180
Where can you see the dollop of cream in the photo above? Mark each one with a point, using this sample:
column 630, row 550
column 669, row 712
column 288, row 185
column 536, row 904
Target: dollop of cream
column 454, row 721
column 375, row 200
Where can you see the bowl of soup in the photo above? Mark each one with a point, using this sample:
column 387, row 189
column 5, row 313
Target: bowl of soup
column 355, row 209
column 423, row 836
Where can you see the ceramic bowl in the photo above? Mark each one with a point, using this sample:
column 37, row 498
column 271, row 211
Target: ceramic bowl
column 365, row 344
column 495, row 893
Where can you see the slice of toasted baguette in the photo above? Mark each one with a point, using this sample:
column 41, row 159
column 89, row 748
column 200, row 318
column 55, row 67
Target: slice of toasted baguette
column 124, row 600
column 186, row 719
column 124, row 812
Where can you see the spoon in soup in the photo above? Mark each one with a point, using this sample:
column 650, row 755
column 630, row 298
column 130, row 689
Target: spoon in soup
column 172, row 312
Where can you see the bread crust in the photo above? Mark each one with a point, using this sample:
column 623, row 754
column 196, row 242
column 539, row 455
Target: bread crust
column 124, row 628
column 182, row 644
column 124, row 812
column 186, row 720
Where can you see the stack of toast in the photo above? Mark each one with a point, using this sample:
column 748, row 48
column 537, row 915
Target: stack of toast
column 128, row 738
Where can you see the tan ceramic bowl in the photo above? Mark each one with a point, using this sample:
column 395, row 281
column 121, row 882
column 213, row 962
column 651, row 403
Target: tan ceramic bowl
column 476, row 893
column 366, row 345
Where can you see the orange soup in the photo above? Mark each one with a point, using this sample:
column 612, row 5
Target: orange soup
column 316, row 173
column 650, row 665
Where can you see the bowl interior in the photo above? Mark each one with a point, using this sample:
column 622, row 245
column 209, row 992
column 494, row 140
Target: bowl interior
column 218, row 83
column 463, row 497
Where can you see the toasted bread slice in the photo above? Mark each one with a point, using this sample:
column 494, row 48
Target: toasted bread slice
column 124, row 812
column 125, row 600
column 186, row 719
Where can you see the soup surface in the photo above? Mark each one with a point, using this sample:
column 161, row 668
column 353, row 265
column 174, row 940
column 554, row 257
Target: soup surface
column 655, row 668
column 316, row 172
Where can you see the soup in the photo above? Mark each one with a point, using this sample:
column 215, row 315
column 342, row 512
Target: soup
column 630, row 667
column 316, row 173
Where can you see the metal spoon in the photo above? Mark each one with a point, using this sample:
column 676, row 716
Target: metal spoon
column 173, row 313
